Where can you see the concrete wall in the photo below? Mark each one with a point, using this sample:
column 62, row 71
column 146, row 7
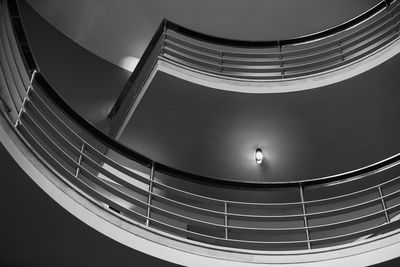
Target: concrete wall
column 89, row 84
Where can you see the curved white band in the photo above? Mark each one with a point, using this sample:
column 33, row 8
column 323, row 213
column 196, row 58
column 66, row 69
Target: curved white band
column 285, row 85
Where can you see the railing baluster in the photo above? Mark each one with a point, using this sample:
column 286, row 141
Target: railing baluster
column 387, row 218
column 26, row 98
column 226, row 219
column 221, row 61
column 392, row 16
column 78, row 169
column 281, row 61
column 301, row 188
column 339, row 44
column 164, row 39
column 150, row 194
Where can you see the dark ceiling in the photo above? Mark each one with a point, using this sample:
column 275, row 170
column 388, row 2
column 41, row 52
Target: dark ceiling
column 304, row 135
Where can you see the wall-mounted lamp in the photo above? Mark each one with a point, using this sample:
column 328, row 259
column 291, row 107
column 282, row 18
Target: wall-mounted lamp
column 259, row 156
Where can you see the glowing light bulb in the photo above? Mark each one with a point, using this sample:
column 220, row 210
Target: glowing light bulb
column 259, row 156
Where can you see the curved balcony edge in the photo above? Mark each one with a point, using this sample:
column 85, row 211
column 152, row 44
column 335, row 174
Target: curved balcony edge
column 175, row 249
column 282, row 85
column 277, row 68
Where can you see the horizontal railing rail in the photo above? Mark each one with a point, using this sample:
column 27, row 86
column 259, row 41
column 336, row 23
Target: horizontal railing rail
column 283, row 59
column 298, row 215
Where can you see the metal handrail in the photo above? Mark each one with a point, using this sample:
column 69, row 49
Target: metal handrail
column 280, row 56
column 294, row 41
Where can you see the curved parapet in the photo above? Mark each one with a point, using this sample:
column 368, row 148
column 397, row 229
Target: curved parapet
column 349, row 218
column 284, row 85
column 284, row 65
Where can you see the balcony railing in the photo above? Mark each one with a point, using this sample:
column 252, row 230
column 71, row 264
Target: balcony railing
column 269, row 61
column 283, row 59
column 302, row 215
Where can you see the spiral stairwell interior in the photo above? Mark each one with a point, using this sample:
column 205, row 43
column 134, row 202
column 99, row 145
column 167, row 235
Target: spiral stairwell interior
column 349, row 218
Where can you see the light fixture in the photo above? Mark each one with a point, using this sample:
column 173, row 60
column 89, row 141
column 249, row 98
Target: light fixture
column 259, row 155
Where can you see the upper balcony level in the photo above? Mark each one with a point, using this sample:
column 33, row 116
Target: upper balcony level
column 141, row 202
column 260, row 67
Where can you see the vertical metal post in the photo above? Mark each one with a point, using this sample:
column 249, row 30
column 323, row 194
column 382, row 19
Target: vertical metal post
column 392, row 17
column 387, row 219
column 164, row 38
column 26, row 98
column 221, row 61
column 150, row 194
column 339, row 44
column 304, row 215
column 226, row 219
column 281, row 60
column 78, row 169
column 388, row 8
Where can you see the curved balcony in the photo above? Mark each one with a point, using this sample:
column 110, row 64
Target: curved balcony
column 232, row 221
column 275, row 66
column 279, row 59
